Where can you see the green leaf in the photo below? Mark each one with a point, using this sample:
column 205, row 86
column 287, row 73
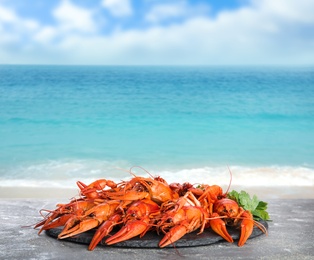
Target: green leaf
column 260, row 214
column 262, row 205
column 246, row 202
column 234, row 195
column 254, row 205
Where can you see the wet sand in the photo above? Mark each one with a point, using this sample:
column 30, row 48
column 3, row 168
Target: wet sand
column 39, row 193
column 263, row 193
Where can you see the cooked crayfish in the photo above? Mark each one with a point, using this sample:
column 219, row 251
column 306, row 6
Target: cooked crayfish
column 184, row 216
column 148, row 204
column 138, row 220
column 227, row 212
column 91, row 219
column 59, row 217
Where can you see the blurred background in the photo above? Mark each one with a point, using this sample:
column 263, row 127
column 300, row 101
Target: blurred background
column 157, row 32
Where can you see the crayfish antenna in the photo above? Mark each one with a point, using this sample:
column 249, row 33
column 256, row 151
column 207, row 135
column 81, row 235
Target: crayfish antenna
column 136, row 166
column 261, row 227
column 128, row 171
column 229, row 181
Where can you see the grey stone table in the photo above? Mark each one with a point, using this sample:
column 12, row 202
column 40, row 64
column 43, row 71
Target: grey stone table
column 291, row 236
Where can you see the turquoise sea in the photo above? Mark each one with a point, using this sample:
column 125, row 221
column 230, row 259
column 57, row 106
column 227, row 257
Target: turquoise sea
column 59, row 124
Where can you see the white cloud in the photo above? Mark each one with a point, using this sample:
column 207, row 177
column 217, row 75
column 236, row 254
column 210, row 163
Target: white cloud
column 250, row 35
column 299, row 11
column 9, row 18
column 118, row 8
column 46, row 34
column 72, row 17
column 13, row 28
column 162, row 12
column 262, row 33
column 7, row 15
column 178, row 9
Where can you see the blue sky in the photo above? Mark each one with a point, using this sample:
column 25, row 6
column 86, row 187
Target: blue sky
column 157, row 32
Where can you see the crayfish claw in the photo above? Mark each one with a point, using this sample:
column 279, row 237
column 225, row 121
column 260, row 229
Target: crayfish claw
column 247, row 225
column 83, row 226
column 104, row 230
column 173, row 235
column 131, row 229
column 219, row 226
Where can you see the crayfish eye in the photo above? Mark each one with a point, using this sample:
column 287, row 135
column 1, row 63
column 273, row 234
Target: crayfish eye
column 169, row 220
column 92, row 215
column 133, row 215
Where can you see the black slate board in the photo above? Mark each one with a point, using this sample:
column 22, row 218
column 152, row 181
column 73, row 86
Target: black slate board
column 151, row 239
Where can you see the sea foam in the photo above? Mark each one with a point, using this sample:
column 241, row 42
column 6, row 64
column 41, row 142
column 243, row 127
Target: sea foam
column 65, row 173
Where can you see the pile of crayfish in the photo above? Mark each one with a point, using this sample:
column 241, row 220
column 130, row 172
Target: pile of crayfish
column 144, row 204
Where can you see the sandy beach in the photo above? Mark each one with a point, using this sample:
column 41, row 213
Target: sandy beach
column 263, row 193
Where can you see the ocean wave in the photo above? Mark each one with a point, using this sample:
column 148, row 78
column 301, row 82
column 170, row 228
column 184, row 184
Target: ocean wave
column 65, row 173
